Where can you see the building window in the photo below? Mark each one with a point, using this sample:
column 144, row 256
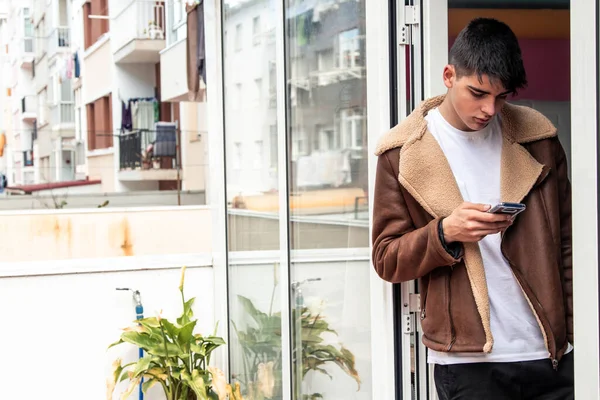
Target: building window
column 256, row 31
column 94, row 28
column 299, row 143
column 178, row 21
column 99, row 123
column 237, row 156
column 257, row 89
column 349, row 49
column 325, row 139
column 42, row 107
column 28, row 31
column 258, row 154
column 273, row 146
column 325, row 60
column 238, row 37
column 352, row 122
column 237, row 99
column 40, row 39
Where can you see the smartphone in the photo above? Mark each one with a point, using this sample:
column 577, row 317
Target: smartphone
column 507, row 208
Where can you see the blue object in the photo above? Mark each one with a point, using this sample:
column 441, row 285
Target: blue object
column 139, row 314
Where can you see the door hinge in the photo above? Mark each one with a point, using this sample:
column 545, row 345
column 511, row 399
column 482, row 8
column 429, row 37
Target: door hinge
column 410, row 306
column 412, row 16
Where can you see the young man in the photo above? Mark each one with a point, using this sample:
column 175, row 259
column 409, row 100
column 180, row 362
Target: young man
column 496, row 291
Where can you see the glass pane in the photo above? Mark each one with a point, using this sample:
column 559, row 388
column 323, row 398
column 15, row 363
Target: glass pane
column 253, row 197
column 326, row 82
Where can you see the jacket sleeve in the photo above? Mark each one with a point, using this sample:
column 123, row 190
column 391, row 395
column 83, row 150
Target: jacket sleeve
column 564, row 190
column 402, row 252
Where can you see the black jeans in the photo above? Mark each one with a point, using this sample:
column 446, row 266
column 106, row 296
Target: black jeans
column 506, row 381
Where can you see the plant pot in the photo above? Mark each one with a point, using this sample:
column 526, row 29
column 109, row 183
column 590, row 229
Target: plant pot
column 156, row 164
column 146, row 164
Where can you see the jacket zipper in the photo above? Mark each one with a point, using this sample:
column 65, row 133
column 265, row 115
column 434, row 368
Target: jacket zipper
column 452, row 332
column 551, row 356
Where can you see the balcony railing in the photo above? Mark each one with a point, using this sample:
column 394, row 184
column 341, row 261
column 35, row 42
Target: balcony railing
column 144, row 149
column 139, row 19
column 59, row 40
column 63, row 112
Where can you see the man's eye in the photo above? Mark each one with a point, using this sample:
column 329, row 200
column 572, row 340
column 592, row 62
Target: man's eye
column 477, row 95
column 503, row 98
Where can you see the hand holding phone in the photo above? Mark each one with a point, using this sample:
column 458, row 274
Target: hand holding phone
column 508, row 208
column 471, row 222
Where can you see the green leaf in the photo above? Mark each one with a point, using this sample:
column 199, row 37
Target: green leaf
column 142, row 340
column 186, row 333
column 188, row 313
column 214, row 340
column 171, row 330
column 148, row 384
column 115, row 343
column 142, row 366
column 151, row 322
column 196, row 383
column 132, row 385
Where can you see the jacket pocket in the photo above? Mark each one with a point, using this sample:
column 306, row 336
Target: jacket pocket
column 436, row 320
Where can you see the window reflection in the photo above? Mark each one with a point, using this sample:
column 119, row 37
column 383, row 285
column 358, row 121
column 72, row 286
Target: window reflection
column 326, row 84
column 251, row 155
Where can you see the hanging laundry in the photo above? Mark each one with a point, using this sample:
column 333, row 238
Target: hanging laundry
column 70, row 67
column 77, row 66
column 126, row 123
column 195, row 50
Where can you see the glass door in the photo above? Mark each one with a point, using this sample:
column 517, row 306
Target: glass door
column 426, row 31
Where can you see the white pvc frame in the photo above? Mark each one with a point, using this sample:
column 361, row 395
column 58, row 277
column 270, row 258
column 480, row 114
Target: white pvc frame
column 584, row 142
column 378, row 122
column 215, row 192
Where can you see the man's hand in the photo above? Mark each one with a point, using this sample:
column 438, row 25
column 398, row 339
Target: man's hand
column 470, row 223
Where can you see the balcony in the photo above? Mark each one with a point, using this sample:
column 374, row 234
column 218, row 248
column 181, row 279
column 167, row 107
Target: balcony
column 26, row 54
column 59, row 41
column 138, row 32
column 148, row 155
column 62, row 115
column 29, row 109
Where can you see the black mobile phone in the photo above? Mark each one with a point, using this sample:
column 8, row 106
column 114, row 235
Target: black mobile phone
column 507, row 208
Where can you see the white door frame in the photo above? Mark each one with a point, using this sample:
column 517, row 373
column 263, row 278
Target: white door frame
column 584, row 168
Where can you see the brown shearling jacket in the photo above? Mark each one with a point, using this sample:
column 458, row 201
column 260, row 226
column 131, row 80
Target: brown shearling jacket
column 415, row 189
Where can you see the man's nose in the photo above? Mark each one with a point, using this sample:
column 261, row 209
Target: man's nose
column 489, row 108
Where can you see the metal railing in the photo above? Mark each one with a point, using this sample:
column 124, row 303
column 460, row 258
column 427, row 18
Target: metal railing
column 59, row 40
column 140, row 149
column 63, row 112
column 140, row 19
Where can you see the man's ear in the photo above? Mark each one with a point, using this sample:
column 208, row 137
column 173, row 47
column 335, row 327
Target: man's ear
column 449, row 75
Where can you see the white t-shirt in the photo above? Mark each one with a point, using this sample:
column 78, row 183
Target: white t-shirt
column 474, row 158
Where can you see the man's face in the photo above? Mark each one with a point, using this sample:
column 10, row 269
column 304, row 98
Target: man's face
column 474, row 101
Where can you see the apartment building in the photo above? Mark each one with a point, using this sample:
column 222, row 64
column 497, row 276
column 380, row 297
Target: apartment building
column 87, row 101
column 139, row 136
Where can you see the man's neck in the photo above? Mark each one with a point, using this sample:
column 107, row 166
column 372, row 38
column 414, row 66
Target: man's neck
column 449, row 113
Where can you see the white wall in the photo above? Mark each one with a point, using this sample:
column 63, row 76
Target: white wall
column 61, row 326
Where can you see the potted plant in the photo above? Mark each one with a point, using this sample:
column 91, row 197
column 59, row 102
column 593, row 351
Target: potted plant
column 146, row 157
column 156, row 163
column 154, row 31
column 315, row 351
column 175, row 358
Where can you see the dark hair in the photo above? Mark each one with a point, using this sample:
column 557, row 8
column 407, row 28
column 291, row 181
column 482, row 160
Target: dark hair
column 489, row 47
